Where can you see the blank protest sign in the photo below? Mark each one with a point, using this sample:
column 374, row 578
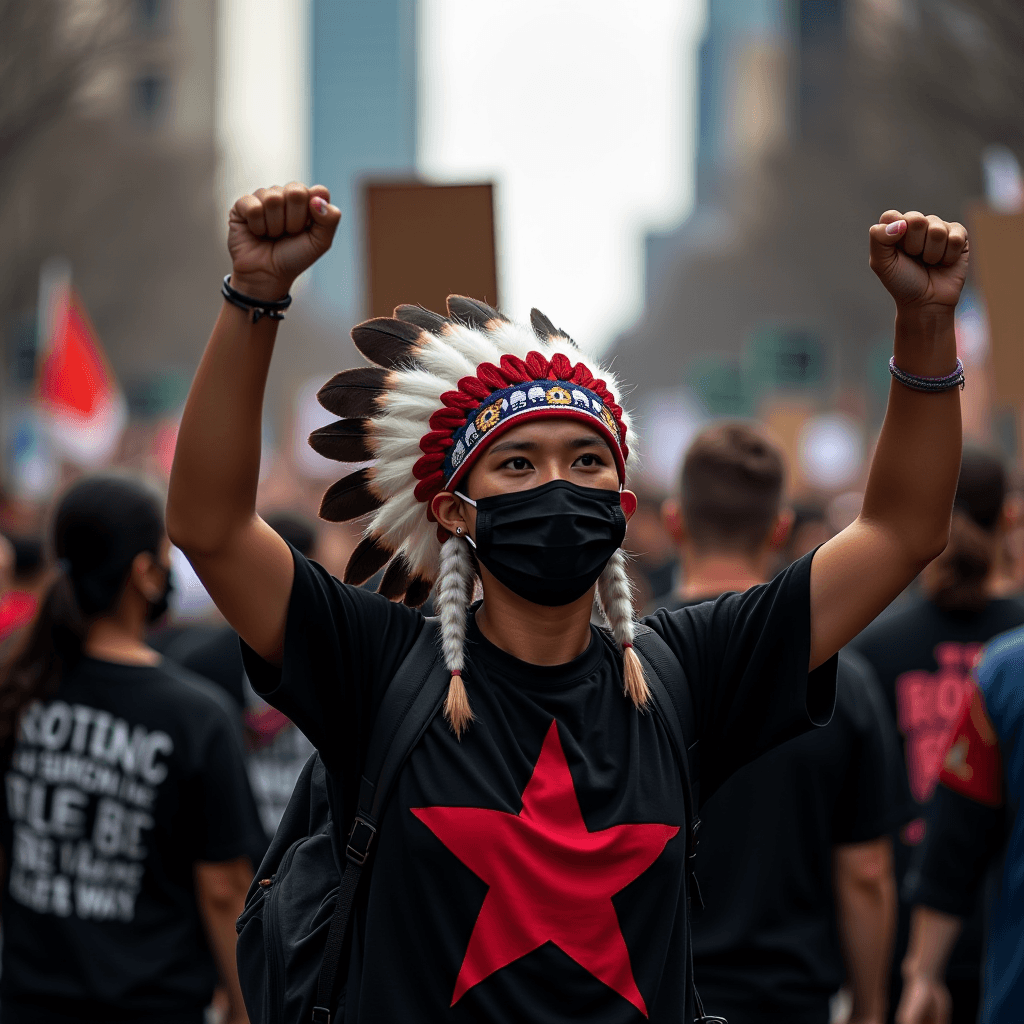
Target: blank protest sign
column 426, row 242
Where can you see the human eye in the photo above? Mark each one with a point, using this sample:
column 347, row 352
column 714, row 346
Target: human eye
column 518, row 463
column 589, row 460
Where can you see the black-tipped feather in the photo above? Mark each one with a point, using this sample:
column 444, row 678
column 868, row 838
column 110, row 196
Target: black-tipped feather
column 471, row 311
column 546, row 330
column 349, row 498
column 385, row 341
column 369, row 557
column 425, row 318
column 397, row 577
column 343, row 441
column 418, row 592
column 351, row 393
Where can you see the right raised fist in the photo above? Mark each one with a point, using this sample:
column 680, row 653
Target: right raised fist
column 275, row 234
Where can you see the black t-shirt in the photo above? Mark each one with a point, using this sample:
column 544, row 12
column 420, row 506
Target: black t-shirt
column 534, row 870
column 766, row 946
column 923, row 658
column 117, row 787
column 209, row 651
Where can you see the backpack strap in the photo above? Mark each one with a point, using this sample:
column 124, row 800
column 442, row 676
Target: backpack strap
column 664, row 673
column 408, row 706
column 663, row 677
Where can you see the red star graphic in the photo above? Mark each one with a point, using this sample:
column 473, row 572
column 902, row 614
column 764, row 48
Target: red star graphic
column 549, row 878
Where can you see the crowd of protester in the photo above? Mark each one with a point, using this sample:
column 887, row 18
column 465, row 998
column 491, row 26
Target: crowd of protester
column 869, row 869
column 818, row 863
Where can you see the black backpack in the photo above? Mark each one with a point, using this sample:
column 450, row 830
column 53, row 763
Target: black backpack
column 292, row 930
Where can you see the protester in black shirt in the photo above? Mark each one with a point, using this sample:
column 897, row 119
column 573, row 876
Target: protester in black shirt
column 805, row 827
column 531, row 862
column 275, row 749
column 923, row 655
column 126, row 813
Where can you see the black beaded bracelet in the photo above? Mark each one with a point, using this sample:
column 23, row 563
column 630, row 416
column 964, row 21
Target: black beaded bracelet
column 933, row 384
column 273, row 310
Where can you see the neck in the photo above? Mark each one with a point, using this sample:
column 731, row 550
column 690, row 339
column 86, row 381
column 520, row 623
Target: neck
column 714, row 573
column 120, row 636
column 531, row 632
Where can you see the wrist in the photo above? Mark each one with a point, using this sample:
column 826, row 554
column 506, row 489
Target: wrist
column 925, row 340
column 917, row 969
column 260, row 286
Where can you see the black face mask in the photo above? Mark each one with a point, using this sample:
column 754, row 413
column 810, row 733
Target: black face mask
column 158, row 608
column 551, row 543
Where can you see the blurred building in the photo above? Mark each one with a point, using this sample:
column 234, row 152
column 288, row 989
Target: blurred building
column 118, row 181
column 761, row 303
column 363, row 123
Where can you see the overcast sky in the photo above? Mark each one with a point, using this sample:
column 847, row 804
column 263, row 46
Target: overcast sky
column 582, row 113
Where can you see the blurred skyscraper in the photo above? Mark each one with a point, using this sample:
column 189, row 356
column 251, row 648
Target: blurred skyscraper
column 744, row 111
column 363, row 122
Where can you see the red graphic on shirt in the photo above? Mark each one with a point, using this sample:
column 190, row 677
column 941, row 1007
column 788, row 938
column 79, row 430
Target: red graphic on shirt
column 972, row 765
column 928, row 707
column 549, row 878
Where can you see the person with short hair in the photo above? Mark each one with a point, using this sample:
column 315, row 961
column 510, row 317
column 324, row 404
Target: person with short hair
column 794, row 858
column 126, row 815
column 532, row 862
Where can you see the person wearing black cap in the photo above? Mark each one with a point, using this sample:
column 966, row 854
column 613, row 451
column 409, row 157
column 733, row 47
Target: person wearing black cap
column 924, row 655
column 126, row 815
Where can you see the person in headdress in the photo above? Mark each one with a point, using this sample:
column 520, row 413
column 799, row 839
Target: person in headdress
column 532, row 862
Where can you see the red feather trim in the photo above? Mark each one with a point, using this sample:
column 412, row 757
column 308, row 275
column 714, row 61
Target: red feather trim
column 429, row 486
column 491, row 376
column 537, row 365
column 436, row 441
column 458, row 400
column 561, row 366
column 514, row 369
column 447, row 420
column 582, row 375
column 426, row 465
column 475, row 387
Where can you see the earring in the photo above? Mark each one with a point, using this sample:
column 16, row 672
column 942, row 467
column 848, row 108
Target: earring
column 458, row 531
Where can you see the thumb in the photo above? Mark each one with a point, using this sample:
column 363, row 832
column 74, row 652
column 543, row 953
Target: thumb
column 884, row 237
column 324, row 218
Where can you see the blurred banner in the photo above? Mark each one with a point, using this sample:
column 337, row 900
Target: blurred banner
column 997, row 252
column 77, row 391
column 426, row 242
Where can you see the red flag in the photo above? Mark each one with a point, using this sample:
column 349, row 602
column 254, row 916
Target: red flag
column 78, row 389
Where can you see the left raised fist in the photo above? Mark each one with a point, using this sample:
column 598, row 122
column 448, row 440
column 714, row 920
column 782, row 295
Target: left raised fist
column 922, row 261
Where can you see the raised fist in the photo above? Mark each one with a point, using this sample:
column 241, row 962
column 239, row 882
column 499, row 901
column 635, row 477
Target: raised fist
column 275, row 234
column 922, row 261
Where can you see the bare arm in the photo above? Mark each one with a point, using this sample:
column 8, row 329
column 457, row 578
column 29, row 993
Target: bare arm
column 866, row 911
column 220, row 894
column 925, row 997
column 211, row 505
column 904, row 522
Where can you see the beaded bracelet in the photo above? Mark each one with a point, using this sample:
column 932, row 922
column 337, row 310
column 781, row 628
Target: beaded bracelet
column 910, row 380
column 273, row 310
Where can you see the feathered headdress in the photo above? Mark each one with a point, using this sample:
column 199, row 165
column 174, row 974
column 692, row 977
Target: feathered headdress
column 441, row 389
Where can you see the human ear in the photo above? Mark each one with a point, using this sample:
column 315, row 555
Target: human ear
column 628, row 501
column 451, row 512
column 672, row 518
column 147, row 575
